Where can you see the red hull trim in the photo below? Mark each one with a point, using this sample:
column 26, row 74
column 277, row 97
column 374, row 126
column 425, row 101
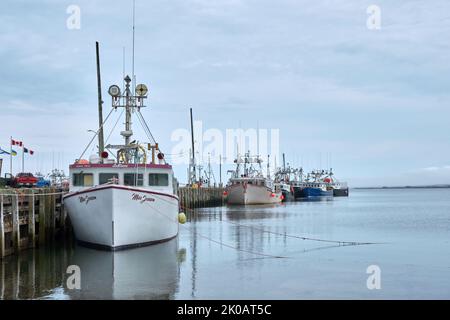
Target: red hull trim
column 119, row 166
column 121, row 188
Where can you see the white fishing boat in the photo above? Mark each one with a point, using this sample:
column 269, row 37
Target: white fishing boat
column 127, row 201
column 248, row 185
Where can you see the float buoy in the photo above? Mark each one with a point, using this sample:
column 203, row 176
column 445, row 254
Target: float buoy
column 182, row 218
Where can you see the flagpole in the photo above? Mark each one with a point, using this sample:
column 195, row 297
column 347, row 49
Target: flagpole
column 23, row 157
column 10, row 155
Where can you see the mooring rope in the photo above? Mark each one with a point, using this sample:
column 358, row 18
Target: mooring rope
column 216, row 241
column 339, row 242
column 351, row 243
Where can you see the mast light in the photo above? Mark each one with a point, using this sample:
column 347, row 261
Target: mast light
column 141, row 90
column 114, row 90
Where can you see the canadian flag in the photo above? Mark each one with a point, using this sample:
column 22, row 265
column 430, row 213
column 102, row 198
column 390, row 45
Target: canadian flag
column 16, row 143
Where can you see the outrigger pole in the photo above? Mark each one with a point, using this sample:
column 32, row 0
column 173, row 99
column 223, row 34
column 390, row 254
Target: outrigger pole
column 101, row 142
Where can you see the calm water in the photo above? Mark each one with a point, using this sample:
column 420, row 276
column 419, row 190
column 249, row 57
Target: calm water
column 227, row 253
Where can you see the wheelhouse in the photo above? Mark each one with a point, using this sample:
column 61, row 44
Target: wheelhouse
column 150, row 176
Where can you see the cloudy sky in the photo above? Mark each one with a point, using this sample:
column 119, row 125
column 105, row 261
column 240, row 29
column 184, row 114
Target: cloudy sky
column 377, row 102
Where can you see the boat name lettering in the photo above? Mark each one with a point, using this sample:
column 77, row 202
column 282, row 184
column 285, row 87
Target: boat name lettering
column 86, row 199
column 141, row 198
column 118, row 165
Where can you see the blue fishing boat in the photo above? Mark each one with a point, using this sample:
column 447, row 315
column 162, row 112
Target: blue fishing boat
column 314, row 186
column 316, row 189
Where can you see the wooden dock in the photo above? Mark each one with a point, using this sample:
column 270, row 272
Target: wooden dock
column 34, row 217
column 29, row 218
column 191, row 198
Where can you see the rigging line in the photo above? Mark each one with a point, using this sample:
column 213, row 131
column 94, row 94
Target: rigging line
column 146, row 126
column 95, row 135
column 143, row 127
column 218, row 242
column 114, row 127
column 142, row 124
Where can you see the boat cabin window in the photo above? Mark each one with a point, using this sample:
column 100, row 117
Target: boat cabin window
column 158, row 179
column 133, row 179
column 107, row 177
column 83, row 179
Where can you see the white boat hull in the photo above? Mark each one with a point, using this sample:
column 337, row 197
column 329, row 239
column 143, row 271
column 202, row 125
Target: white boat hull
column 118, row 217
column 251, row 194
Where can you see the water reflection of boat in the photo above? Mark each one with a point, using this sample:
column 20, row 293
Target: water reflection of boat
column 141, row 273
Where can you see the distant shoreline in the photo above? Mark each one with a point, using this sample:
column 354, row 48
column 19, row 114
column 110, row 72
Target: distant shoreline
column 444, row 186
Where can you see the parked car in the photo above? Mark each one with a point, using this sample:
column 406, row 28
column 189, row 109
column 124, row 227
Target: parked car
column 25, row 179
column 7, row 181
column 42, row 182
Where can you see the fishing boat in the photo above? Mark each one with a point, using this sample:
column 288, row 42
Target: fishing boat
column 298, row 184
column 287, row 191
column 316, row 189
column 124, row 201
column 340, row 189
column 287, row 177
column 248, row 185
column 315, row 186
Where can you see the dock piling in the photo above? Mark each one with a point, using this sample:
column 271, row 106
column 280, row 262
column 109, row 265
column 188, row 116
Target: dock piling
column 29, row 217
column 2, row 230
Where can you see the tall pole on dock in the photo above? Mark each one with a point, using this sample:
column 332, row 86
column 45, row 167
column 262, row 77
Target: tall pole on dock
column 23, row 158
column 101, row 142
column 10, row 155
column 220, row 170
column 193, row 173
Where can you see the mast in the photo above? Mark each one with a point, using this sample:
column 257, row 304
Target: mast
column 129, row 102
column 127, row 133
column 101, row 142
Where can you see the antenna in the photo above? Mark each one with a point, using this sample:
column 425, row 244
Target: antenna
column 132, row 60
column 123, row 69
column 257, row 138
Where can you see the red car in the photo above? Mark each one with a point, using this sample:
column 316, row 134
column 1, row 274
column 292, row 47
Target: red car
column 25, row 179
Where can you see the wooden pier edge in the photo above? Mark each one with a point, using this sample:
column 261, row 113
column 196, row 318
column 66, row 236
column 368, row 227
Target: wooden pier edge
column 35, row 217
column 28, row 218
